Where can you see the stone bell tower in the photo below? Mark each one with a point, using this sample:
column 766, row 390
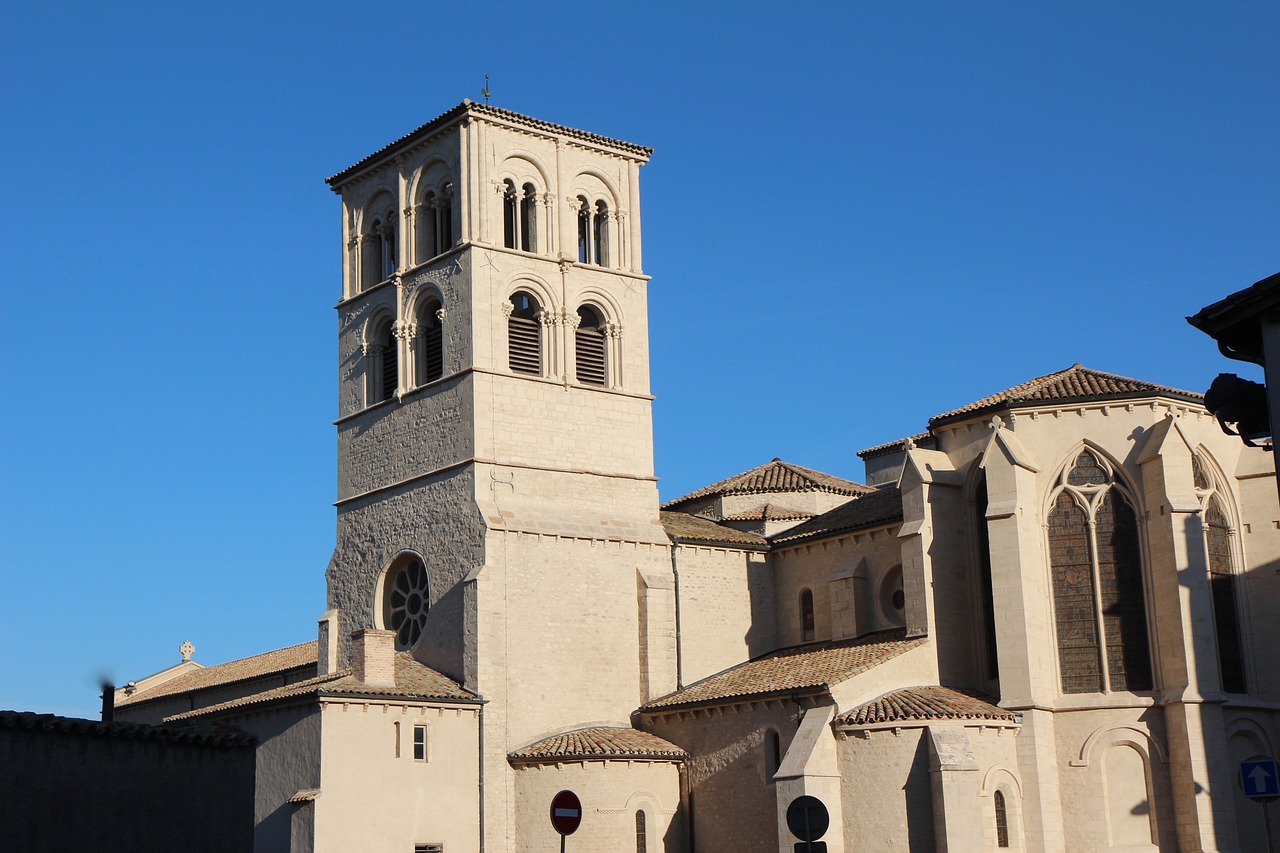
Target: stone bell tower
column 497, row 507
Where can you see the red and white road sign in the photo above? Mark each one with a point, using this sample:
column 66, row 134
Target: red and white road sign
column 566, row 812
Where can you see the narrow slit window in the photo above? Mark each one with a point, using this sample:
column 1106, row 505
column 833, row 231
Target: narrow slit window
column 509, row 215
column 584, row 231
column 528, row 219
column 1002, row 821
column 641, row 833
column 807, row 625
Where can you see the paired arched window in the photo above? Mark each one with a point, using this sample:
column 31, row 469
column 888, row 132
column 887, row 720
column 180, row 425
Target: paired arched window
column 593, row 232
column 1098, row 594
column 520, row 217
column 429, row 343
column 406, row 598
column 590, row 347
column 524, row 334
column 1218, row 535
column 382, row 364
column 808, row 629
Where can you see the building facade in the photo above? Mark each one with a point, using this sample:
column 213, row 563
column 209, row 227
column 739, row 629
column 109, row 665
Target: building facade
column 1040, row 625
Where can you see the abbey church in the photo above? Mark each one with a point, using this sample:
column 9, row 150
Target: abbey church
column 1044, row 623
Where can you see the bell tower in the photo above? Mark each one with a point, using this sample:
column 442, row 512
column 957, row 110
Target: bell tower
column 496, row 497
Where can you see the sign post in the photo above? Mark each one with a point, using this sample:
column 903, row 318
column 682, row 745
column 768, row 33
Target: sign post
column 1260, row 781
column 566, row 814
column 808, row 819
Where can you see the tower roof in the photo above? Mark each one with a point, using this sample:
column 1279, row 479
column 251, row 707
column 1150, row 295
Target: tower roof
column 773, row 477
column 469, row 108
column 1076, row 383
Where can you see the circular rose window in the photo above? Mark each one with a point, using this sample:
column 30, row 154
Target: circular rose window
column 405, row 601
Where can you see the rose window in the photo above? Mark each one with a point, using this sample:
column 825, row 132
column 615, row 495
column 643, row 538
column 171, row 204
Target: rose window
column 405, row 602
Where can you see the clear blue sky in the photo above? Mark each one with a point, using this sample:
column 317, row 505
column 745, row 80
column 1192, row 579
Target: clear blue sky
column 858, row 215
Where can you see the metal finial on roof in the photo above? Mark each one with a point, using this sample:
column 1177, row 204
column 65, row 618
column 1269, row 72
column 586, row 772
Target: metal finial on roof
column 486, row 91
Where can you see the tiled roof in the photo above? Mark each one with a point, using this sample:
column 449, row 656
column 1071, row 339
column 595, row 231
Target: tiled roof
column 245, row 669
column 920, row 439
column 808, row 667
column 925, row 703
column 691, row 528
column 882, row 506
column 775, row 476
column 50, row 724
column 770, row 512
column 599, row 742
column 469, row 106
column 1075, row 383
column 413, row 681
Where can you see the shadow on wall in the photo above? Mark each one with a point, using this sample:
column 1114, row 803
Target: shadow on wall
column 918, row 793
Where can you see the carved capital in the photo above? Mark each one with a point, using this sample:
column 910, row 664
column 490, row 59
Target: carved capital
column 404, row 329
column 441, row 313
column 613, row 330
column 571, row 319
column 619, row 216
column 565, row 266
column 545, row 319
column 371, row 350
column 548, row 199
column 508, row 309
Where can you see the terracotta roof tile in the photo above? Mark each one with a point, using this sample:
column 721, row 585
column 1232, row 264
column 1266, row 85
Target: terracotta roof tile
column 49, row 724
column 770, row 512
column 413, row 681
column 599, row 742
column 469, row 106
column 920, row 439
column 692, row 528
column 926, row 703
column 775, row 476
column 245, row 669
column 811, row 666
column 1075, row 383
column 882, row 506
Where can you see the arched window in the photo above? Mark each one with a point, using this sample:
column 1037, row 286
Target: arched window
column 382, row 365
column 430, row 342
column 509, row 216
column 1099, row 603
column 772, row 755
column 1222, row 581
column 524, row 334
column 584, row 230
column 444, row 220
column 589, row 347
column 1002, row 821
column 807, row 627
column 600, row 235
column 379, row 260
column 529, row 219
column 406, row 598
column 428, row 228
column 641, row 839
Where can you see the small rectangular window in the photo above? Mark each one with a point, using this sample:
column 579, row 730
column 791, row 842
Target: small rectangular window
column 428, row 848
column 419, row 743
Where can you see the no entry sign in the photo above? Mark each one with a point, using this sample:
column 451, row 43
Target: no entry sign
column 566, row 812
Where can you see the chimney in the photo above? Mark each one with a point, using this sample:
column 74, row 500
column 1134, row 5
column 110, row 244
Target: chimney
column 373, row 657
column 108, row 702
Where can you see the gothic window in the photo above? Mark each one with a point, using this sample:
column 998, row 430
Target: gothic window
column 1096, row 562
column 807, row 626
column 429, row 353
column 406, row 597
column 641, row 840
column 1002, row 821
column 382, row 366
column 1222, row 582
column 589, row 347
column 524, row 334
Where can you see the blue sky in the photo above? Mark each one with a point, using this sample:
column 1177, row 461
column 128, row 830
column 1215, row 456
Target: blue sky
column 858, row 215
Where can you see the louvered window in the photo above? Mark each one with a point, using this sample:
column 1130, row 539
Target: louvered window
column 524, row 335
column 1098, row 597
column 390, row 370
column 430, row 343
column 589, row 344
column 1222, row 584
